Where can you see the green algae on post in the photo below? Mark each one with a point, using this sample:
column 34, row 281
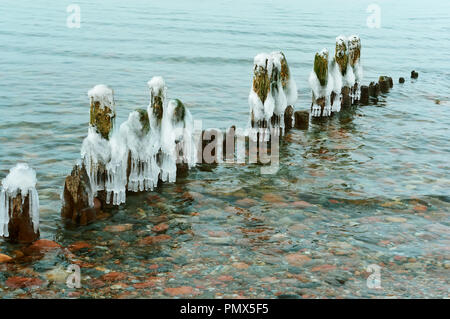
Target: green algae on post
column 321, row 67
column 341, row 55
column 102, row 111
column 273, row 89
column 321, row 84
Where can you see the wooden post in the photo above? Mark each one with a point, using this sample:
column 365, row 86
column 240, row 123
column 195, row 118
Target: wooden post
column 341, row 54
column 19, row 206
column 82, row 202
column 158, row 89
column 383, row 81
column 374, row 89
column 364, row 98
column 320, row 105
column 76, row 206
column 102, row 112
column 289, row 117
column 354, row 52
column 346, row 98
column 301, row 120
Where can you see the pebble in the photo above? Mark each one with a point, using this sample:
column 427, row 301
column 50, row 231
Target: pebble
column 396, row 219
column 5, row 258
column 246, row 202
column 297, row 259
column 118, row 228
column 23, row 282
column 184, row 290
column 160, row 228
column 45, row 245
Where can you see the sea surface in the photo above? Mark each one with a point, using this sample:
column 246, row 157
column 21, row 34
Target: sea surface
column 368, row 188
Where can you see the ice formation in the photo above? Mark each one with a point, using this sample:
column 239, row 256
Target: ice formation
column 177, row 142
column 95, row 150
column 343, row 70
column 321, row 90
column 354, row 48
column 155, row 109
column 102, row 94
column 95, row 153
column 146, row 147
column 337, row 86
column 135, row 145
column 272, row 91
column 20, row 180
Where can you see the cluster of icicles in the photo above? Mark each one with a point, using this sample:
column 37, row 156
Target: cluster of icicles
column 135, row 157
column 278, row 97
column 335, row 79
column 20, row 180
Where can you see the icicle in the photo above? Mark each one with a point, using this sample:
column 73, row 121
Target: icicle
column 4, row 213
column 21, row 180
column 321, row 82
column 177, row 143
column 95, row 150
column 354, row 48
column 95, row 153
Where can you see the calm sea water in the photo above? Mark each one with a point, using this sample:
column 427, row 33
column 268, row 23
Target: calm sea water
column 379, row 161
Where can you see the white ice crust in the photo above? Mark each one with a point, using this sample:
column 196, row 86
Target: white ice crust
column 278, row 98
column 152, row 154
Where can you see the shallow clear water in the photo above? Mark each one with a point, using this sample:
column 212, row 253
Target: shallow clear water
column 358, row 173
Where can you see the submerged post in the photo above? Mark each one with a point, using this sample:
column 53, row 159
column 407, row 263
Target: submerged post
column 19, row 205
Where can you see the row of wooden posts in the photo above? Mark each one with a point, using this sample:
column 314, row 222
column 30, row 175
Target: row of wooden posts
column 77, row 207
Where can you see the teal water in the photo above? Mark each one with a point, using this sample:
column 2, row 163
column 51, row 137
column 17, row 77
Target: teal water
column 379, row 161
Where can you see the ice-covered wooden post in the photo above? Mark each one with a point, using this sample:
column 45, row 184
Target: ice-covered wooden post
column 95, row 154
column 133, row 164
column 273, row 89
column 289, row 89
column 19, row 205
column 178, row 149
column 354, row 52
column 341, row 58
column 385, row 83
column 155, row 109
column 95, row 150
column 321, row 85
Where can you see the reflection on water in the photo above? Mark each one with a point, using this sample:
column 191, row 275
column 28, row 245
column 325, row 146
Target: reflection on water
column 369, row 186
